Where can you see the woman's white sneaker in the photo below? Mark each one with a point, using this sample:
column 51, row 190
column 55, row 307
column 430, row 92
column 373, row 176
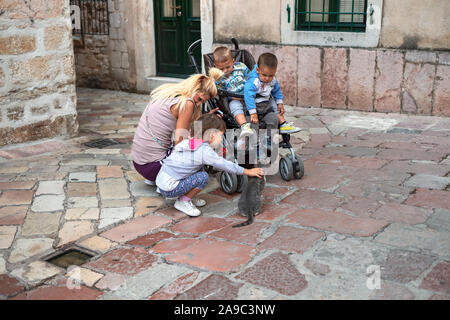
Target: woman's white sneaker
column 187, row 207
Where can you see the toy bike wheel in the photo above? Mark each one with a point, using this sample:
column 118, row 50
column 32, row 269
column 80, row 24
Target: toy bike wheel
column 299, row 168
column 228, row 182
column 241, row 180
column 286, row 168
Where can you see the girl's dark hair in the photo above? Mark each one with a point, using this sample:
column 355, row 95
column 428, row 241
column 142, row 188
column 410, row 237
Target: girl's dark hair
column 206, row 122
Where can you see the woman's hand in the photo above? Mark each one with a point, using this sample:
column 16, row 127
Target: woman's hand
column 255, row 172
column 216, row 111
column 213, row 110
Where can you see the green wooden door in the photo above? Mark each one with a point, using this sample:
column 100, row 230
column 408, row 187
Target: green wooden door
column 177, row 26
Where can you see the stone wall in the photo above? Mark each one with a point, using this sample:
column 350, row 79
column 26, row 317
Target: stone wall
column 405, row 24
column 380, row 80
column 249, row 21
column 37, row 78
column 416, row 24
column 103, row 61
column 92, row 62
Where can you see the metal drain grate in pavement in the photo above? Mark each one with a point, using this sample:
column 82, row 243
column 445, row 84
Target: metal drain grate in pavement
column 100, row 143
column 70, row 257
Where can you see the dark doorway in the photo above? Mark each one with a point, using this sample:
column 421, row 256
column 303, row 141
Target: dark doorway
column 177, row 25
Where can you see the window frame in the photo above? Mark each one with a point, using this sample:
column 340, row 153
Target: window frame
column 367, row 39
column 101, row 29
column 333, row 24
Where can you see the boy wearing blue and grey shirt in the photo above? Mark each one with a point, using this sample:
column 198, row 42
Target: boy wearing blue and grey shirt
column 263, row 97
column 258, row 88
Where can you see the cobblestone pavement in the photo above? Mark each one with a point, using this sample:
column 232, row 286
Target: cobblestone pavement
column 374, row 204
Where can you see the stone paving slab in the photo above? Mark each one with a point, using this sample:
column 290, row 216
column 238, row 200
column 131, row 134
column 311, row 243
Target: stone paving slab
column 438, row 279
column 123, row 261
column 181, row 284
column 375, row 194
column 36, row 272
column 440, row 220
column 215, row 287
column 233, row 255
column 428, row 182
column 147, row 282
column 62, row 292
column 136, row 227
column 276, row 272
column 26, row 248
column 337, row 222
column 48, row 203
column 416, row 238
column 7, row 234
column 41, row 224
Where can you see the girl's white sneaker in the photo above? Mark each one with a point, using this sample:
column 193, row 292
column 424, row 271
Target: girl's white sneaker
column 187, row 207
column 199, row 202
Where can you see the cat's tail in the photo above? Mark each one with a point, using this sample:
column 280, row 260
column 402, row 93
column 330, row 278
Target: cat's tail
column 245, row 223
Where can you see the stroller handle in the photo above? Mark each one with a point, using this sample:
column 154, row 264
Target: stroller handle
column 230, row 94
column 190, row 52
column 236, row 43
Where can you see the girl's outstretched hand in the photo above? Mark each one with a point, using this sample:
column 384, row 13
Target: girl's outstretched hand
column 255, row 172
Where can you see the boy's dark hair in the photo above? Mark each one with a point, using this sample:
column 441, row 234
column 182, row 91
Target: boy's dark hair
column 268, row 60
column 207, row 122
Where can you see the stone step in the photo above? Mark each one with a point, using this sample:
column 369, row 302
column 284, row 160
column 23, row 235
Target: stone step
column 154, row 82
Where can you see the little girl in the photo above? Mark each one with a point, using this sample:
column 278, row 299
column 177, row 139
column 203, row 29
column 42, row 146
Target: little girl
column 181, row 174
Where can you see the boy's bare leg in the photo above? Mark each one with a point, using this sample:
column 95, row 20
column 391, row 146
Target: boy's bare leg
column 240, row 119
column 281, row 119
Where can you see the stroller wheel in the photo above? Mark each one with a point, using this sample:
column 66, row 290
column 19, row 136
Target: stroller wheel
column 228, row 182
column 286, row 168
column 240, row 183
column 299, row 169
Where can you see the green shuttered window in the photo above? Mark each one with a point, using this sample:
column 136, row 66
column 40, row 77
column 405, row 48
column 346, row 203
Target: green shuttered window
column 331, row 15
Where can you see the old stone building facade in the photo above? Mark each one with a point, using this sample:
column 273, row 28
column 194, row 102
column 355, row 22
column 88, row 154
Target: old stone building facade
column 101, row 58
column 120, row 59
column 400, row 63
column 37, row 76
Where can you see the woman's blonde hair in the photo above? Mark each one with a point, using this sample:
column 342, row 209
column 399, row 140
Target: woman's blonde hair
column 197, row 83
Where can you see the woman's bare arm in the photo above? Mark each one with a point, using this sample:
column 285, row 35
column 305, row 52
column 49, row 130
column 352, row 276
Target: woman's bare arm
column 184, row 122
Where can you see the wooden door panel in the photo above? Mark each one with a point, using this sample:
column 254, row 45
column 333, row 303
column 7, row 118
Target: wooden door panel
column 177, row 26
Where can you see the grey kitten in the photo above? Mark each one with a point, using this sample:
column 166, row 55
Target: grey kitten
column 250, row 201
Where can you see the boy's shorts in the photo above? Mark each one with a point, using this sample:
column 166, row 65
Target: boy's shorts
column 236, row 107
column 266, row 115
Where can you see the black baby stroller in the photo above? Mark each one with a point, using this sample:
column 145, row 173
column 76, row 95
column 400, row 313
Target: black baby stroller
column 290, row 166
